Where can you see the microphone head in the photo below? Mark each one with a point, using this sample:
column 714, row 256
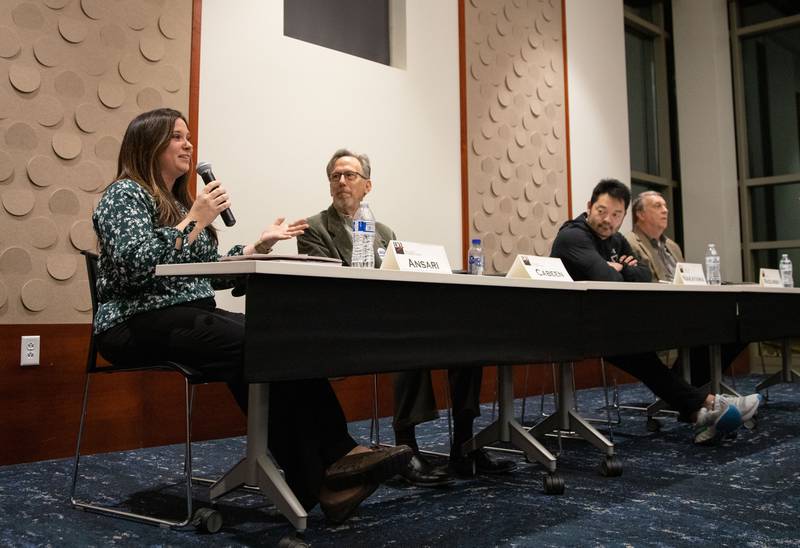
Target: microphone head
column 203, row 167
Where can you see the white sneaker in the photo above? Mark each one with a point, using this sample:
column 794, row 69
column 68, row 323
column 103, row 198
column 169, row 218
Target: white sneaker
column 715, row 423
column 747, row 405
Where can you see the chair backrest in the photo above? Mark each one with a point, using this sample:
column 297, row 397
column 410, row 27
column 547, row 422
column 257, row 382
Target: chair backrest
column 91, row 271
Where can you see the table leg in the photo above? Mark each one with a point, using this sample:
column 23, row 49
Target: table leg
column 258, row 469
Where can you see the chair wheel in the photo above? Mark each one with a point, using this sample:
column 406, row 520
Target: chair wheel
column 207, row 520
column 611, row 467
column 553, row 484
column 295, row 540
column 653, row 424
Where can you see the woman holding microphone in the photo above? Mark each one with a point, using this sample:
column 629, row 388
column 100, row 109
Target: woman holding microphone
column 147, row 217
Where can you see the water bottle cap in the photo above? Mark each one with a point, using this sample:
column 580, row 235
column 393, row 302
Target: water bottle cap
column 476, row 241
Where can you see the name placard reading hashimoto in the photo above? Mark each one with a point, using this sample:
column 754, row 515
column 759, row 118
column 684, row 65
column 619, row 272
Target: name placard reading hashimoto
column 416, row 257
column 770, row 277
column 539, row 268
column 689, row 274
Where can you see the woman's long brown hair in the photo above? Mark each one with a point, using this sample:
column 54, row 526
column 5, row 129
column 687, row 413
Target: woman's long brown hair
column 145, row 139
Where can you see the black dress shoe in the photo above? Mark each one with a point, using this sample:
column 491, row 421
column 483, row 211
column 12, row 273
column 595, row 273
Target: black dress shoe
column 421, row 473
column 479, row 462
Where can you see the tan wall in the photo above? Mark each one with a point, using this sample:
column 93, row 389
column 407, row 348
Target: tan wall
column 516, row 127
column 73, row 73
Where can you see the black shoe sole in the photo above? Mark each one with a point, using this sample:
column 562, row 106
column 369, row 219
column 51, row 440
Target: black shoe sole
column 394, row 463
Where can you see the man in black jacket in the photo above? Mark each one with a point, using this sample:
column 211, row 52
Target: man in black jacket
column 591, row 248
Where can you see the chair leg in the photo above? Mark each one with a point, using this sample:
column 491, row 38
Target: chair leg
column 104, row 510
column 374, row 425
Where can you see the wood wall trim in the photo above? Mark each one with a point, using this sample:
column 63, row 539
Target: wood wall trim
column 194, row 84
column 566, row 106
column 462, row 93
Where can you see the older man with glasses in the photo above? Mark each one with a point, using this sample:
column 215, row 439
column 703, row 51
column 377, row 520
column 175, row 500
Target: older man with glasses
column 330, row 234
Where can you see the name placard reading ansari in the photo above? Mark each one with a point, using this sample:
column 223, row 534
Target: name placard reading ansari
column 416, row 257
column 539, row 268
column 689, row 274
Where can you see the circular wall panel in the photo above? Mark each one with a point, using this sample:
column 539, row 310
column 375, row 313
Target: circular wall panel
column 67, row 145
column 151, row 47
column 49, row 111
column 69, row 84
column 62, row 266
column 88, row 117
column 72, row 30
column 87, row 176
column 43, row 171
column 35, row 295
column 49, row 51
column 27, row 16
column 24, row 78
column 42, row 232
column 18, row 202
column 149, row 99
column 111, row 94
column 9, row 43
column 6, row 166
column 82, row 235
column 107, row 148
column 64, row 202
column 15, row 260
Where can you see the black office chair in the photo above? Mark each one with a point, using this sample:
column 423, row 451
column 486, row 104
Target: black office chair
column 204, row 518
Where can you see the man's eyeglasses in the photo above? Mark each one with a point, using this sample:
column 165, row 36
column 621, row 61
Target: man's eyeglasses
column 349, row 176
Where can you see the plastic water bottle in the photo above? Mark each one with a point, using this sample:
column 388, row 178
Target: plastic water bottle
column 475, row 260
column 713, row 276
column 786, row 271
column 363, row 238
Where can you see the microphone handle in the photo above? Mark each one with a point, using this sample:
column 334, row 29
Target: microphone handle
column 226, row 214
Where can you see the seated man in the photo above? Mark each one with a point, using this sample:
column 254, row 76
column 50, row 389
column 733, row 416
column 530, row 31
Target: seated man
column 591, row 248
column 330, row 234
column 661, row 254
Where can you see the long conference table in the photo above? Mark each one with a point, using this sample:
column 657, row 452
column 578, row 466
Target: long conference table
column 310, row 320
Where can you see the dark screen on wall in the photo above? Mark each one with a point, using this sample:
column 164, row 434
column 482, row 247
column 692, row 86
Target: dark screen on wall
column 357, row 27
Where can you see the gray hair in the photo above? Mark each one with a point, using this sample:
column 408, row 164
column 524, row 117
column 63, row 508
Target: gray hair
column 638, row 202
column 363, row 159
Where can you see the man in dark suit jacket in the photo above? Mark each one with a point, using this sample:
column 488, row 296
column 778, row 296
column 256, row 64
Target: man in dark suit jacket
column 329, row 234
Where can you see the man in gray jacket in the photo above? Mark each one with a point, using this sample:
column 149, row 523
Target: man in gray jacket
column 330, row 234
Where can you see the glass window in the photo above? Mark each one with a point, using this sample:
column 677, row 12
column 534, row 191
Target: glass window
column 775, row 211
column 357, row 27
column 642, row 8
column 771, row 69
column 769, row 258
column 640, row 66
column 752, row 12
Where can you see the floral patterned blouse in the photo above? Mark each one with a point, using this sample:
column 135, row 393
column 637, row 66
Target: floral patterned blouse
column 132, row 244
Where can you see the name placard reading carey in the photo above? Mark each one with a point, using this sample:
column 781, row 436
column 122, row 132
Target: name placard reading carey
column 689, row 274
column 415, row 257
column 769, row 277
column 539, row 268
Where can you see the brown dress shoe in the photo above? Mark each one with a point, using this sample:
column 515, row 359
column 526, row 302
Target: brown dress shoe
column 369, row 467
column 340, row 505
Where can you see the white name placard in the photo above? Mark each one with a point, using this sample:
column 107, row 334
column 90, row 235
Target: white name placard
column 689, row 274
column 539, row 268
column 769, row 277
column 415, row 257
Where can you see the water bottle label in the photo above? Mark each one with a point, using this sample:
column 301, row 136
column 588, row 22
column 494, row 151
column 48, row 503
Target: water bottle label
column 363, row 226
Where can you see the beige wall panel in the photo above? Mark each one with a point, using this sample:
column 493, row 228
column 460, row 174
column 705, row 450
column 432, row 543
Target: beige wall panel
column 515, row 125
column 72, row 75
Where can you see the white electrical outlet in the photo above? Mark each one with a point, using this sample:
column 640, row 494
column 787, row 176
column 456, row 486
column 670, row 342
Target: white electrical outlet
column 29, row 352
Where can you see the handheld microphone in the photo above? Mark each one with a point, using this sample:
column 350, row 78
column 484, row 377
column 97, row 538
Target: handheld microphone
column 204, row 170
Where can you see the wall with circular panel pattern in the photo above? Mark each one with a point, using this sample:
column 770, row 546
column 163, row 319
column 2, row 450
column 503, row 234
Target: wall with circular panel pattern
column 72, row 75
column 516, row 127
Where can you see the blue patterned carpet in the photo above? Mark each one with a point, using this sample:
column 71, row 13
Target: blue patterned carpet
column 745, row 492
